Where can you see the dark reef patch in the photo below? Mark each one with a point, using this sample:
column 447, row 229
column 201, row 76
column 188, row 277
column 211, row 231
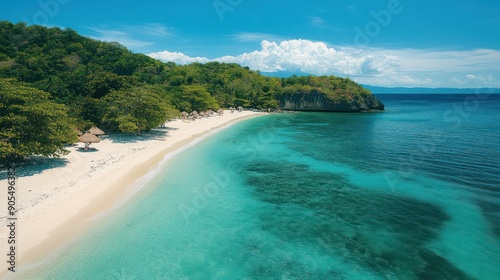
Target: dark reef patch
column 379, row 231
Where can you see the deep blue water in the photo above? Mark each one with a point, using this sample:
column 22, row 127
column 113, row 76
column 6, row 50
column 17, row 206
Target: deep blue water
column 409, row 193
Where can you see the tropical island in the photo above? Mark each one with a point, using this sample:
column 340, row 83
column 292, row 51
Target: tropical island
column 68, row 82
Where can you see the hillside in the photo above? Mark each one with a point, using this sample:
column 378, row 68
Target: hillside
column 77, row 71
column 105, row 84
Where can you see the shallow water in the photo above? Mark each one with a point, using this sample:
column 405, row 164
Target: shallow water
column 410, row 193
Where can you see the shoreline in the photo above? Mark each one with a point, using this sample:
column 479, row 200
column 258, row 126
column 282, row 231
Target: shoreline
column 59, row 203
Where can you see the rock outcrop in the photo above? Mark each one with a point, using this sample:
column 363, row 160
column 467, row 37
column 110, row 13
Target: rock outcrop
column 317, row 101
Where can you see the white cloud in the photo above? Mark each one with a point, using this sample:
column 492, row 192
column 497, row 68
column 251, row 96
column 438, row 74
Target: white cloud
column 478, row 67
column 127, row 34
column 318, row 22
column 121, row 37
column 256, row 37
column 177, row 57
column 384, row 67
column 395, row 80
column 153, row 29
column 482, row 80
column 311, row 57
column 380, row 64
column 446, row 60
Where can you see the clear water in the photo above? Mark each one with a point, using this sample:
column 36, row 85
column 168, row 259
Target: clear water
column 410, row 193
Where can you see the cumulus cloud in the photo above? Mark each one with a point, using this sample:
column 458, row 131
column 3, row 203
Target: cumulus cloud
column 384, row 67
column 307, row 57
column 177, row 57
column 311, row 57
column 380, row 64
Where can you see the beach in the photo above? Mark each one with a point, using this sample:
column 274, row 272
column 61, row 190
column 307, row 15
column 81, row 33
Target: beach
column 55, row 205
column 307, row 196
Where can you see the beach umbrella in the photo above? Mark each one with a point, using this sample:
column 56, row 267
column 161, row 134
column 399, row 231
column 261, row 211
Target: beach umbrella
column 240, row 108
column 77, row 131
column 184, row 114
column 96, row 131
column 220, row 111
column 88, row 138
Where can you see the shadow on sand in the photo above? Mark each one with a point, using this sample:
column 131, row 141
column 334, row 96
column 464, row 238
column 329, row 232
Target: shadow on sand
column 154, row 134
column 35, row 165
column 89, row 150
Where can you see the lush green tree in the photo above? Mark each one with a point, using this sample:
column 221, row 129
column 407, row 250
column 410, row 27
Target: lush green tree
column 136, row 109
column 199, row 98
column 101, row 83
column 31, row 123
column 86, row 111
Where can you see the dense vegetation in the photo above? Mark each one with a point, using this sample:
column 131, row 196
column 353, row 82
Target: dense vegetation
column 105, row 84
column 31, row 123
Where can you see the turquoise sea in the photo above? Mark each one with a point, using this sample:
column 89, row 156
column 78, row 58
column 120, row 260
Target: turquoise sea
column 409, row 193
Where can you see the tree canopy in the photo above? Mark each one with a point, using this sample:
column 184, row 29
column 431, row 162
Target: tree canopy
column 31, row 123
column 136, row 109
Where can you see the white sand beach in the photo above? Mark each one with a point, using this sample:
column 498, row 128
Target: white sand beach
column 55, row 205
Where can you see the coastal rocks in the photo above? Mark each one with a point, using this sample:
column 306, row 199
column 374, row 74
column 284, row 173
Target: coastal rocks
column 317, row 101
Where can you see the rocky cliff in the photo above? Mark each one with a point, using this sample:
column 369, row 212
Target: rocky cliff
column 317, row 101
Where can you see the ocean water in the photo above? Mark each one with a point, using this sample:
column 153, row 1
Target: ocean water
column 409, row 193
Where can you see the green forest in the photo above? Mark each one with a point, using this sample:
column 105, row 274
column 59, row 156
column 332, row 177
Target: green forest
column 59, row 81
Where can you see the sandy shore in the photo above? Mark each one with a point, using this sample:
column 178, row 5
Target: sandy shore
column 55, row 204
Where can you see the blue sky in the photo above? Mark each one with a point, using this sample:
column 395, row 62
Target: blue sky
column 379, row 42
